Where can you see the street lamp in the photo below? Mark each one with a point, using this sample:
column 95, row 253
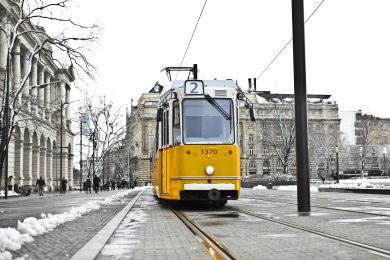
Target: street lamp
column 337, row 164
column 62, row 106
column 384, row 160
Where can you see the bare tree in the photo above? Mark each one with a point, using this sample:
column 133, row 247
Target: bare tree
column 363, row 127
column 282, row 136
column 323, row 149
column 108, row 130
column 22, row 19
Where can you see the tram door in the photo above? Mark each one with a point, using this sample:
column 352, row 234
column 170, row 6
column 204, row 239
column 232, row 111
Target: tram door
column 165, row 161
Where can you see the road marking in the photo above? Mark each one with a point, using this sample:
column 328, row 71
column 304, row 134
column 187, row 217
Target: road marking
column 92, row 248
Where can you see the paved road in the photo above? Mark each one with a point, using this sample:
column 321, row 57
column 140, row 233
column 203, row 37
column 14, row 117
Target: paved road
column 151, row 231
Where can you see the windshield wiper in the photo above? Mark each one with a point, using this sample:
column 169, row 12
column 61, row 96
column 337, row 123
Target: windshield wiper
column 220, row 109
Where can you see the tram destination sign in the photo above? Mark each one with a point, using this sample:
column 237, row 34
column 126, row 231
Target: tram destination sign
column 193, row 87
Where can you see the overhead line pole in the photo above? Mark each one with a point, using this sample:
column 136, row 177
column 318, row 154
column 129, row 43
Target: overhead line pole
column 303, row 179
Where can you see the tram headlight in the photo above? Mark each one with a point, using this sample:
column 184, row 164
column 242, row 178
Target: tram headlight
column 209, row 170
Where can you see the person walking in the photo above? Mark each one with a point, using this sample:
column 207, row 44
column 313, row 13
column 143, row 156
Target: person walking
column 63, row 185
column 41, row 184
column 9, row 185
column 89, row 184
column 96, row 183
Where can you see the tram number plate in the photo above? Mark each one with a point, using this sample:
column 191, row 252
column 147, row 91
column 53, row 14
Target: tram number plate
column 194, row 87
column 209, row 151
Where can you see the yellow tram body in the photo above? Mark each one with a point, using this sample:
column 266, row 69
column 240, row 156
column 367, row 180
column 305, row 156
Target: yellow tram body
column 183, row 177
column 196, row 155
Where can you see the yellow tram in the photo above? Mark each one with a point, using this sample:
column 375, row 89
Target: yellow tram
column 196, row 155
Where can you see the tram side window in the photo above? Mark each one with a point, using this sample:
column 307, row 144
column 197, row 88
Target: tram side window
column 166, row 128
column 176, row 124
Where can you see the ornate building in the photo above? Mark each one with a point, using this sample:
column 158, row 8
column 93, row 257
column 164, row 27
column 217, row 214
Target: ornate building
column 266, row 143
column 141, row 124
column 35, row 149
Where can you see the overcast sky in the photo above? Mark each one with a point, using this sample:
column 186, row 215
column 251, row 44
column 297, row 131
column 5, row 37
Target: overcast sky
column 347, row 46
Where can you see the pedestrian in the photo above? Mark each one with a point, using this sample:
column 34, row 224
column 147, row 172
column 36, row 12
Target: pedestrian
column 323, row 178
column 41, row 184
column 89, row 185
column 135, row 182
column 63, row 185
column 96, row 183
column 10, row 182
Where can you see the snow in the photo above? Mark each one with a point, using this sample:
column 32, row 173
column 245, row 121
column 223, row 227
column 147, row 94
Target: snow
column 13, row 239
column 259, row 187
column 360, row 184
column 294, row 188
column 9, row 193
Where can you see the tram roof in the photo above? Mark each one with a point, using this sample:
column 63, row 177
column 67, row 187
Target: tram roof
column 227, row 83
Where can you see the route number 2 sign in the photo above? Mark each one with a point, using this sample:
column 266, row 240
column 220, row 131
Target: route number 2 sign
column 194, row 87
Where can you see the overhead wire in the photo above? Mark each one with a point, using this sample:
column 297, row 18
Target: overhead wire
column 192, row 36
column 284, row 47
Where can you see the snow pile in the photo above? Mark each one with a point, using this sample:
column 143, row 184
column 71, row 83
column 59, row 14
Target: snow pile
column 294, row 188
column 9, row 193
column 13, row 239
column 359, row 184
column 259, row 187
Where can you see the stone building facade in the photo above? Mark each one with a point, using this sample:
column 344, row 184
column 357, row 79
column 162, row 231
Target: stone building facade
column 257, row 139
column 257, row 157
column 377, row 145
column 34, row 149
column 141, row 127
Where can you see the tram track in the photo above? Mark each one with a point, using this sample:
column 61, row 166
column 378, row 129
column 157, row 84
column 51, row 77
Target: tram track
column 215, row 248
column 362, row 246
column 328, row 208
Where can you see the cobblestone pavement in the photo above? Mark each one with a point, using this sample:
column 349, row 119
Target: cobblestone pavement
column 68, row 238
column 151, row 231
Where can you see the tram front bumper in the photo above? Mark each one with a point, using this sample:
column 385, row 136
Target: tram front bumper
column 213, row 192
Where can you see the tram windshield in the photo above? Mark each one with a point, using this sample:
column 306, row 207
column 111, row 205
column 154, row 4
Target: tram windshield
column 203, row 123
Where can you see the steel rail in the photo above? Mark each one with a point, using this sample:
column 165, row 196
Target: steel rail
column 369, row 248
column 216, row 249
column 331, row 208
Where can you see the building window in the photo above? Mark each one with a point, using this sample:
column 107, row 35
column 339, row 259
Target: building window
column 252, row 164
column 265, row 151
column 250, row 137
column 251, row 150
column 264, row 125
column 279, row 138
column 279, row 163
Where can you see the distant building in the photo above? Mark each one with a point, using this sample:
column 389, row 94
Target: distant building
column 369, row 132
column 261, row 141
column 141, row 127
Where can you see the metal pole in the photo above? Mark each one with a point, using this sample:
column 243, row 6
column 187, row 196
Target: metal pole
column 303, row 179
column 150, row 170
column 195, row 71
column 93, row 154
column 81, row 150
column 61, row 125
column 6, row 128
column 337, row 166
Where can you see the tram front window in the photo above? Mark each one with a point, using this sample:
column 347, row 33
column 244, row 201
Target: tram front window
column 203, row 123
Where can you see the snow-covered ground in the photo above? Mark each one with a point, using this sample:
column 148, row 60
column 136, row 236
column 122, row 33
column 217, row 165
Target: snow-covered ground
column 343, row 184
column 13, row 239
column 9, row 193
column 360, row 184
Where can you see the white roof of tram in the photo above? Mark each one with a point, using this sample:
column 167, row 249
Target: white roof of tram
column 228, row 83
